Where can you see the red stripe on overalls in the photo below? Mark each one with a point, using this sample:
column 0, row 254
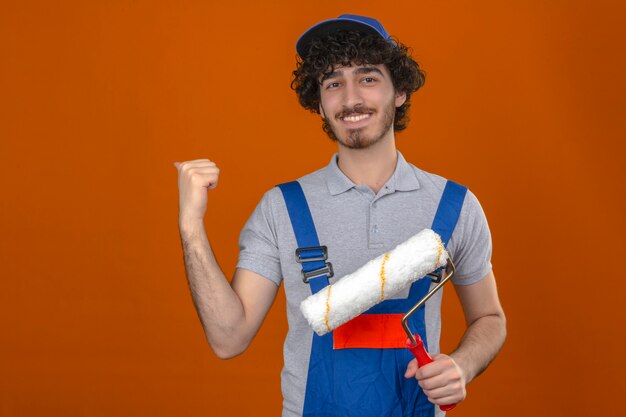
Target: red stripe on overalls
column 382, row 331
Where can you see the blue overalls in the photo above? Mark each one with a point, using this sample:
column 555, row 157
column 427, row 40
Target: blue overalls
column 367, row 382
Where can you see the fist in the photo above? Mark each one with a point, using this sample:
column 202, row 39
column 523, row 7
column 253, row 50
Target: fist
column 194, row 179
column 442, row 380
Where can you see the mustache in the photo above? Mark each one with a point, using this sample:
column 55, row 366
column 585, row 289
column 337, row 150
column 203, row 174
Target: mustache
column 359, row 109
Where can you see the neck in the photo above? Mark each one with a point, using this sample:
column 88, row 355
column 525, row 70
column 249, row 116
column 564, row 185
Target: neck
column 372, row 166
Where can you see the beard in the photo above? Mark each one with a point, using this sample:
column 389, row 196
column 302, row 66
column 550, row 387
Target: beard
column 357, row 138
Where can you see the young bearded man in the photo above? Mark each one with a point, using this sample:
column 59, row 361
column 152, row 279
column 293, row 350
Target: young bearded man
column 365, row 202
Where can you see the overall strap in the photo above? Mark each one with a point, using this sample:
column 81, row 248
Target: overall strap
column 449, row 210
column 444, row 222
column 309, row 253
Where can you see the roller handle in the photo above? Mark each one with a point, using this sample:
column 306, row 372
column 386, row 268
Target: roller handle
column 423, row 358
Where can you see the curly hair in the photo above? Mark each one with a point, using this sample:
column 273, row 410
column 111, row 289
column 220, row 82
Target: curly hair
column 344, row 48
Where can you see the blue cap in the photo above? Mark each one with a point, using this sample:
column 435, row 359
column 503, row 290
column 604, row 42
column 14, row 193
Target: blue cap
column 343, row 22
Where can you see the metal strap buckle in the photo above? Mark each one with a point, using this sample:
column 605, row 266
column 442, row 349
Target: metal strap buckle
column 300, row 259
column 327, row 269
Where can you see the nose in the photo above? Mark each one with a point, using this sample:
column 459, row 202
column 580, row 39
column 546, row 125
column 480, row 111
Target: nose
column 352, row 96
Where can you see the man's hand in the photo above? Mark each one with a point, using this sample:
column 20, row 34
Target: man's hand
column 442, row 380
column 194, row 179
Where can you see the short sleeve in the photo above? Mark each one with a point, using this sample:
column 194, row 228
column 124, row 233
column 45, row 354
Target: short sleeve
column 470, row 244
column 258, row 250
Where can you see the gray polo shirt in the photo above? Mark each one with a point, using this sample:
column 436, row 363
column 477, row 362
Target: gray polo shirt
column 356, row 225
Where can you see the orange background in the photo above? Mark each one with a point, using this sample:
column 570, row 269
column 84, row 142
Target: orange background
column 524, row 103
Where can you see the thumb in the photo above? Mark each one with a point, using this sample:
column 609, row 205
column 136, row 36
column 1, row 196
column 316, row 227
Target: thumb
column 411, row 369
column 176, row 164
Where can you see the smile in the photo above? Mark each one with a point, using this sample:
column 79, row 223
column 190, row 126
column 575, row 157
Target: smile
column 356, row 118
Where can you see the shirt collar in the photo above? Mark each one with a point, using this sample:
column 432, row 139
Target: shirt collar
column 403, row 178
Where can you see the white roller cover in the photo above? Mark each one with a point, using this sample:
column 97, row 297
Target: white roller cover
column 375, row 281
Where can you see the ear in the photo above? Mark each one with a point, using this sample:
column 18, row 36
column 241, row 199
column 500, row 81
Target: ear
column 400, row 98
column 322, row 111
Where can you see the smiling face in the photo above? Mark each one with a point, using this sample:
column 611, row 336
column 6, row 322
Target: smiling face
column 358, row 103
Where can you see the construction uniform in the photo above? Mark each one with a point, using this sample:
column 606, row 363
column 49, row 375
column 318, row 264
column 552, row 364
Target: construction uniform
column 359, row 371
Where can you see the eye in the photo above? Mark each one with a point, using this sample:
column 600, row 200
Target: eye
column 332, row 85
column 369, row 80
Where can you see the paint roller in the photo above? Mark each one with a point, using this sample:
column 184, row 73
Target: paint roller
column 377, row 280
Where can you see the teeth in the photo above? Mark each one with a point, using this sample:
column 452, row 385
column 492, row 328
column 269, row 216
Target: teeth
column 356, row 118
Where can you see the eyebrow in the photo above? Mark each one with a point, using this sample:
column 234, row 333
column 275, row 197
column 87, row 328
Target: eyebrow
column 368, row 70
column 358, row 71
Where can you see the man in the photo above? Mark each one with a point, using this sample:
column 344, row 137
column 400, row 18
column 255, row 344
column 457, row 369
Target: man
column 364, row 203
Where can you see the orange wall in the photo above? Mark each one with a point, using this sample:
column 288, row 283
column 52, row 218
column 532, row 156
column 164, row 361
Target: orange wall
column 524, row 103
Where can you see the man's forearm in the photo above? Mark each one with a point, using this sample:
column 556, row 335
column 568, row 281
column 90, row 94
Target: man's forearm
column 218, row 306
column 480, row 344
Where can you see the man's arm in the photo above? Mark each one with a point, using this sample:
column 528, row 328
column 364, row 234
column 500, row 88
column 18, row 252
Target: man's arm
column 486, row 326
column 231, row 313
column 444, row 380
